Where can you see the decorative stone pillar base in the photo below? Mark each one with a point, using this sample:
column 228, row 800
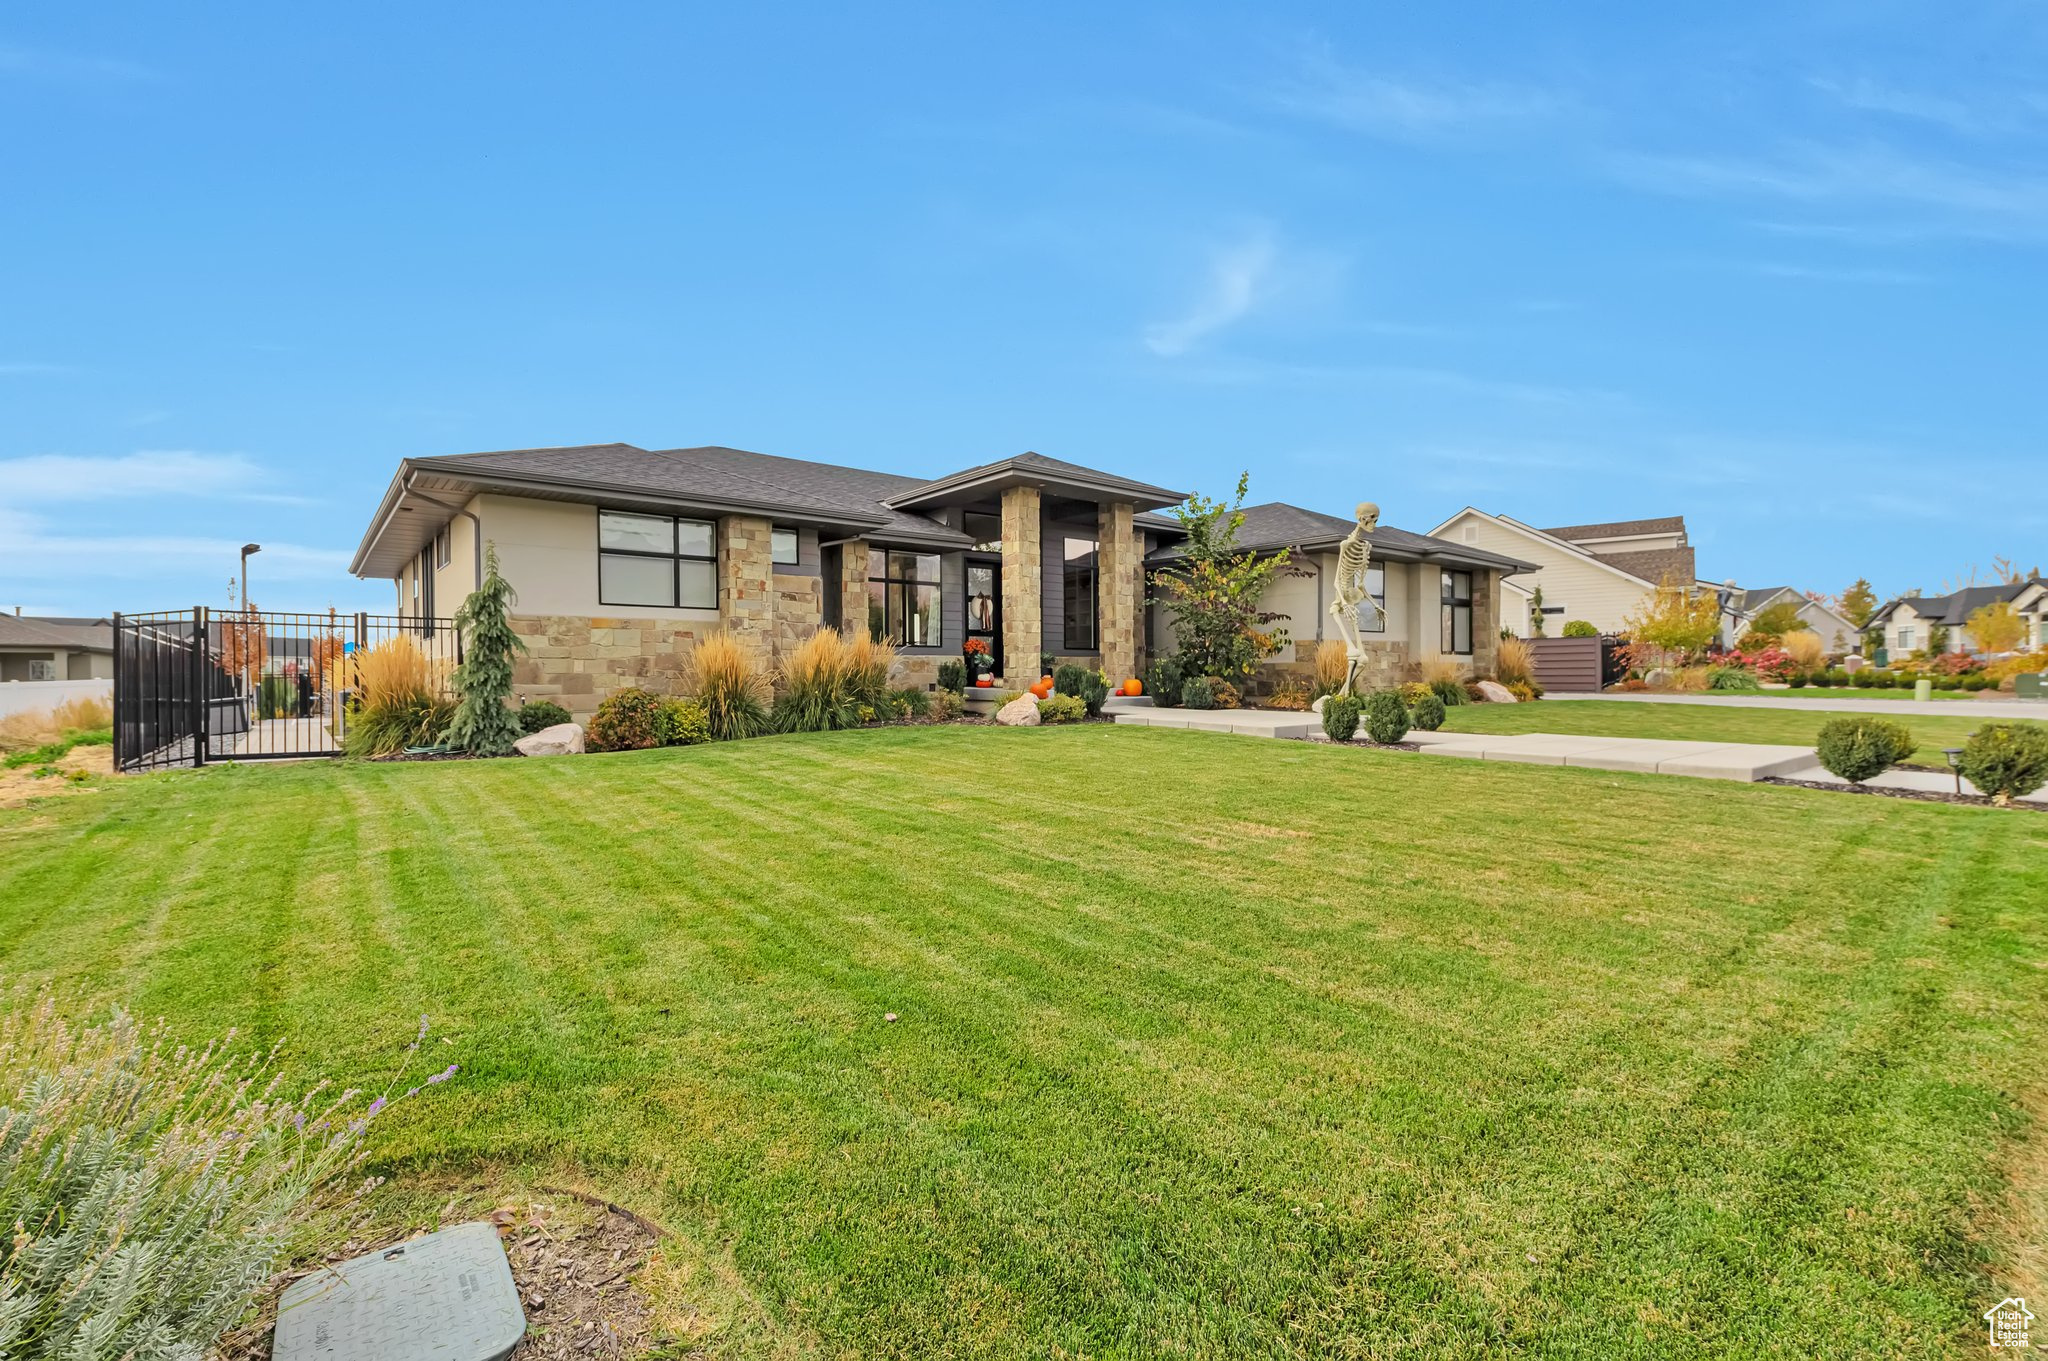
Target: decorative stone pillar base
column 1117, row 553
column 746, row 574
column 1023, row 586
column 853, row 588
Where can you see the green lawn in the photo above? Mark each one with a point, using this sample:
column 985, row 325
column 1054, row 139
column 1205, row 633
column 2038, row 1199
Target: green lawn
column 1702, row 723
column 1208, row 1046
column 1901, row 692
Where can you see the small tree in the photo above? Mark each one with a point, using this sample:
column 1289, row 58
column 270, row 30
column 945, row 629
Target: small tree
column 1779, row 619
column 483, row 725
column 1858, row 603
column 1213, row 592
column 1536, row 613
column 1675, row 621
column 1997, row 627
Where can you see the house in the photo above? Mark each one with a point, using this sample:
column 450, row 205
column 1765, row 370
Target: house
column 43, row 648
column 1436, row 599
column 1600, row 573
column 1837, row 632
column 624, row 557
column 1909, row 621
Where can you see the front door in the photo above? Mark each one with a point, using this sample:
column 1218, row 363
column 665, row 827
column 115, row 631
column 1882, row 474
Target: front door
column 985, row 606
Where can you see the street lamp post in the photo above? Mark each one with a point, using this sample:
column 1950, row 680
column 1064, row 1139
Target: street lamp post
column 247, row 549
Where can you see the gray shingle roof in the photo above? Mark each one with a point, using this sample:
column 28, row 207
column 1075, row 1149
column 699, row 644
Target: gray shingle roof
column 1655, row 564
column 1274, row 525
column 1038, row 465
column 1955, row 608
column 1620, row 529
column 19, row 630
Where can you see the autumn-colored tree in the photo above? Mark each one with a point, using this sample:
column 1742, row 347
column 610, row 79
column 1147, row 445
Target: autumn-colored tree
column 1997, row 627
column 244, row 644
column 1858, row 603
column 1674, row 623
column 1213, row 591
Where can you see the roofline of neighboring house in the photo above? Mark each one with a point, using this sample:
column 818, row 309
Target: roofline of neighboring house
column 1015, row 471
column 1803, row 600
column 1509, row 522
column 1458, row 555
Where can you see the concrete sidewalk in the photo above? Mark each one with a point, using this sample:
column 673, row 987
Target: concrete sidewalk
column 1946, row 708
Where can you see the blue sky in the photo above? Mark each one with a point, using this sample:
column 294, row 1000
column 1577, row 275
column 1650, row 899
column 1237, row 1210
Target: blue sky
column 1776, row 268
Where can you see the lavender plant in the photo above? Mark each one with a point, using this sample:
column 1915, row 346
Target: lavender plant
column 147, row 1190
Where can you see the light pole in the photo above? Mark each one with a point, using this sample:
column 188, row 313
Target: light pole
column 247, row 549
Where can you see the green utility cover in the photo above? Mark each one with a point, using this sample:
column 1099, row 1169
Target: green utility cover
column 446, row 1297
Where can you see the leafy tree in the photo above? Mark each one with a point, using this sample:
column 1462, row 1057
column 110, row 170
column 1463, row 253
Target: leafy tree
column 1213, row 591
column 1779, row 619
column 1675, row 620
column 1858, row 603
column 1937, row 639
column 1997, row 627
column 1536, row 613
column 483, row 726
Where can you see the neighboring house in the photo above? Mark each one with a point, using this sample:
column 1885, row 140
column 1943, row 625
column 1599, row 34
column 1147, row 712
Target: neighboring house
column 43, row 648
column 1600, row 573
column 1838, row 633
column 1909, row 620
column 623, row 558
column 1440, row 599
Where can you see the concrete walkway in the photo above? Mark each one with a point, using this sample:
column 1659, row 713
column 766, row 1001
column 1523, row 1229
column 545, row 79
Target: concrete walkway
column 1745, row 761
column 1948, row 708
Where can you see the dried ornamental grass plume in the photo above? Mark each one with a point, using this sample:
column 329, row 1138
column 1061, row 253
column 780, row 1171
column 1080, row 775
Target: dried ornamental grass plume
column 871, row 666
column 1514, row 661
column 1438, row 669
column 1805, row 648
column 734, row 693
column 21, row 731
column 150, row 1189
column 817, row 686
column 1332, row 661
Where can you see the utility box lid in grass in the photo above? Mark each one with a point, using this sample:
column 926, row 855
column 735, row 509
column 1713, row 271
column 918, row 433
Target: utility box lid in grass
column 446, row 1297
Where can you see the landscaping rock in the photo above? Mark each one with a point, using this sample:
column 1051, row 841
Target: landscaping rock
column 1021, row 712
column 563, row 739
column 1493, row 692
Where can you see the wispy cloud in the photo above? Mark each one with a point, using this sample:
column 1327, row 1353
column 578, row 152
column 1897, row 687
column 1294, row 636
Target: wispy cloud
column 1774, row 269
column 42, row 478
column 35, row 553
column 1984, row 114
column 1409, row 107
column 12, row 369
column 1238, row 279
column 45, row 64
column 1237, row 371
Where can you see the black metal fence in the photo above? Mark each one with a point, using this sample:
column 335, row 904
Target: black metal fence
column 199, row 685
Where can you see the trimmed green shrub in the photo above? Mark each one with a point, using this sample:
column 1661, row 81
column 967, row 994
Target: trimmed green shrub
column 1068, row 678
column 625, row 721
column 1978, row 683
column 275, row 697
column 1094, row 692
column 482, row 725
column 2006, row 760
column 1427, row 713
column 1579, row 628
column 1062, row 709
column 1856, row 749
column 1797, row 680
column 1196, row 692
column 1386, row 717
column 913, row 702
column 945, row 705
column 1163, row 682
column 681, row 723
column 1340, row 717
column 1883, row 680
column 953, row 675
column 536, row 714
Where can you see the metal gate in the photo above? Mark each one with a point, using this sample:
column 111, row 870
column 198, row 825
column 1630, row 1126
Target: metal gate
column 199, row 685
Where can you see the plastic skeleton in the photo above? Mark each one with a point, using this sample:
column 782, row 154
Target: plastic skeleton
column 1354, row 561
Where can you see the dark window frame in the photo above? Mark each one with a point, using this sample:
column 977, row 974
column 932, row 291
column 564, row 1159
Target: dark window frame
column 1092, row 574
column 796, row 546
column 444, row 546
column 1454, row 607
column 1374, row 621
column 674, row 556
column 903, row 589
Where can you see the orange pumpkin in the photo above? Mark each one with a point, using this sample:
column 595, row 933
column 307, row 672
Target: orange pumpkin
column 1132, row 687
column 984, row 682
column 1043, row 689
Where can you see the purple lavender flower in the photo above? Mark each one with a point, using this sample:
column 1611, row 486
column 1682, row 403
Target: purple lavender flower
column 375, row 1106
column 441, row 1077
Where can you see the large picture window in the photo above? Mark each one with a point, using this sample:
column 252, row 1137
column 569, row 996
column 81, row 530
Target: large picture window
column 1372, row 620
column 656, row 560
column 904, row 599
column 1082, row 594
column 1457, row 639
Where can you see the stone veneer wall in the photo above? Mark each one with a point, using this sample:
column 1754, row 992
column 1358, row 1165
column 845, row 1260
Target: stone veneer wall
column 1486, row 595
column 1385, row 665
column 576, row 661
column 746, row 583
column 1023, row 624
column 1118, row 550
column 853, row 586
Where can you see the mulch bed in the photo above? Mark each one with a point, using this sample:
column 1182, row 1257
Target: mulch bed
column 1915, row 795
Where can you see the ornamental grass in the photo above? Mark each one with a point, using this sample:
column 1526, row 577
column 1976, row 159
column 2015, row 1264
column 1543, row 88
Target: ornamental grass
column 734, row 692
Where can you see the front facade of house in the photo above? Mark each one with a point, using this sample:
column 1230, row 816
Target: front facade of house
column 1839, row 634
column 1601, row 573
column 623, row 558
column 48, row 649
column 1913, row 622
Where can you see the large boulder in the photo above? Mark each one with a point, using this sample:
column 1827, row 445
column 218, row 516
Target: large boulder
column 564, row 739
column 1021, row 712
column 1493, row 692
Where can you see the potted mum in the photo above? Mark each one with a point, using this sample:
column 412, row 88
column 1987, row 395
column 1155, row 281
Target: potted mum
column 981, row 664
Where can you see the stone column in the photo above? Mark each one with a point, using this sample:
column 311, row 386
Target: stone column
column 1486, row 594
column 1425, row 638
column 1116, row 562
column 853, row 588
column 1023, row 587
column 746, row 602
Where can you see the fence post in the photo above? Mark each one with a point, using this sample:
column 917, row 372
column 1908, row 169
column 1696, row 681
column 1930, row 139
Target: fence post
column 201, row 710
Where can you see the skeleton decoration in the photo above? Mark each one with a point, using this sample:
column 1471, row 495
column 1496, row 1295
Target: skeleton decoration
column 1354, row 561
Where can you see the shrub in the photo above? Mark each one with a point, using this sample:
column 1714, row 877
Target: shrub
column 482, row 725
column 731, row 688
column 276, row 697
column 1340, row 717
column 953, row 675
column 536, row 714
column 1427, row 713
column 1067, row 678
column 1293, row 694
column 1226, row 694
column 1094, row 692
column 1062, row 709
column 1198, row 692
column 1730, row 678
column 1806, row 648
column 1163, row 681
column 1528, row 692
column 2006, row 760
column 1514, row 661
column 22, row 730
column 1332, row 663
column 817, row 686
column 681, row 723
column 625, row 721
column 1451, row 692
column 419, row 720
column 912, row 702
column 151, row 1189
column 1978, row 683
column 1386, row 717
column 945, row 706
column 1882, row 680
column 1855, row 749
column 1413, row 692
column 1798, row 680
column 1579, row 628
column 870, row 665
column 1820, row 679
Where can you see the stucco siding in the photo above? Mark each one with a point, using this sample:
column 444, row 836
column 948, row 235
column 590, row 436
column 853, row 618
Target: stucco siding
column 1584, row 590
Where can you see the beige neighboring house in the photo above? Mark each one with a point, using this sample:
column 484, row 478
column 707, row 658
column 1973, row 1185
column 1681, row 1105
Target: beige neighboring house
column 1838, row 633
column 1909, row 621
column 42, row 648
column 623, row 558
column 1599, row 573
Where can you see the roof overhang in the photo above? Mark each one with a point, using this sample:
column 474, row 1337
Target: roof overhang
column 980, row 484
column 1452, row 555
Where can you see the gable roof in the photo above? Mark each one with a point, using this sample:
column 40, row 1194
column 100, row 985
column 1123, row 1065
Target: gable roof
column 73, row 635
column 1954, row 608
column 1620, row 529
column 1275, row 525
column 1655, row 564
column 1754, row 600
column 1032, row 468
column 1606, row 562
